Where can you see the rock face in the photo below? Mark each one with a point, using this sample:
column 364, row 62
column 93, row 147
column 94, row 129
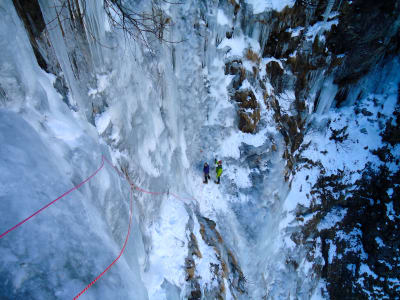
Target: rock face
column 31, row 15
column 314, row 41
column 248, row 107
column 309, row 49
column 360, row 250
column 225, row 270
column 275, row 73
column 228, row 267
column 365, row 242
column 249, row 110
column 366, row 33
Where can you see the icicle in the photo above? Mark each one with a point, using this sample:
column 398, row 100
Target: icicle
column 327, row 96
column 95, row 22
column 328, row 10
column 56, row 37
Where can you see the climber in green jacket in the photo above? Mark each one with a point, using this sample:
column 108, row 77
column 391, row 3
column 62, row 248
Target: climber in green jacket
column 218, row 170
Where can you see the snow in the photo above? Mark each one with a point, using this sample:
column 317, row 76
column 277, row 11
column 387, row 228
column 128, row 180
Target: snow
column 386, row 264
column 333, row 15
column 285, row 101
column 203, row 265
column 319, row 28
column 296, row 197
column 379, row 242
column 332, row 251
column 230, row 145
column 354, row 152
column 260, row 6
column 238, row 44
column 394, row 283
column 240, row 176
column 102, row 121
column 266, row 60
column 295, row 31
column 364, row 269
column 103, row 82
column 320, row 291
column 222, row 19
column 334, row 216
column 353, row 240
column 390, row 211
column 245, row 85
column 168, row 233
column 352, row 268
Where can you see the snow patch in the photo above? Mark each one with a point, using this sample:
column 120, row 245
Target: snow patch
column 390, row 211
column 237, row 45
column 379, row 241
column 169, row 248
column 334, row 216
column 364, row 269
column 319, row 28
column 332, row 251
column 295, row 31
column 260, row 6
column 222, row 18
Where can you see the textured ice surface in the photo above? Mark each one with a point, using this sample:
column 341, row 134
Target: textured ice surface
column 46, row 150
column 260, row 6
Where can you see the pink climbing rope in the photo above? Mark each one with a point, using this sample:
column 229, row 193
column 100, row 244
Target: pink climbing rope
column 121, row 252
column 181, row 198
column 54, row 201
column 132, row 184
column 133, row 187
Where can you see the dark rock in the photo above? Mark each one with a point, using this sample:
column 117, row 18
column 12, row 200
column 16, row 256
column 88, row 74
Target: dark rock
column 339, row 135
column 391, row 133
column 275, row 72
column 31, row 15
column 341, row 95
column 195, row 295
column 233, row 67
column 365, row 112
column 363, row 44
column 249, row 111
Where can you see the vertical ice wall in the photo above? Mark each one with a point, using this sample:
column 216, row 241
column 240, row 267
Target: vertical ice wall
column 59, row 45
column 47, row 149
column 133, row 97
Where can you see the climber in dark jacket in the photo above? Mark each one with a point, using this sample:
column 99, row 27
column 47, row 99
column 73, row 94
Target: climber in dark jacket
column 206, row 171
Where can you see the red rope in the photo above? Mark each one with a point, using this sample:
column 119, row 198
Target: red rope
column 55, row 200
column 129, row 228
column 131, row 183
column 115, row 168
column 103, row 158
column 115, row 260
column 181, row 198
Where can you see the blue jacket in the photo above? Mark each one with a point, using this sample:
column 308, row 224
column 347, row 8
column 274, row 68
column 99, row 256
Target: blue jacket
column 206, row 169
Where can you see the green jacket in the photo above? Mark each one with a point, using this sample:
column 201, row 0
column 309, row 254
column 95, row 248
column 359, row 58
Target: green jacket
column 219, row 171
